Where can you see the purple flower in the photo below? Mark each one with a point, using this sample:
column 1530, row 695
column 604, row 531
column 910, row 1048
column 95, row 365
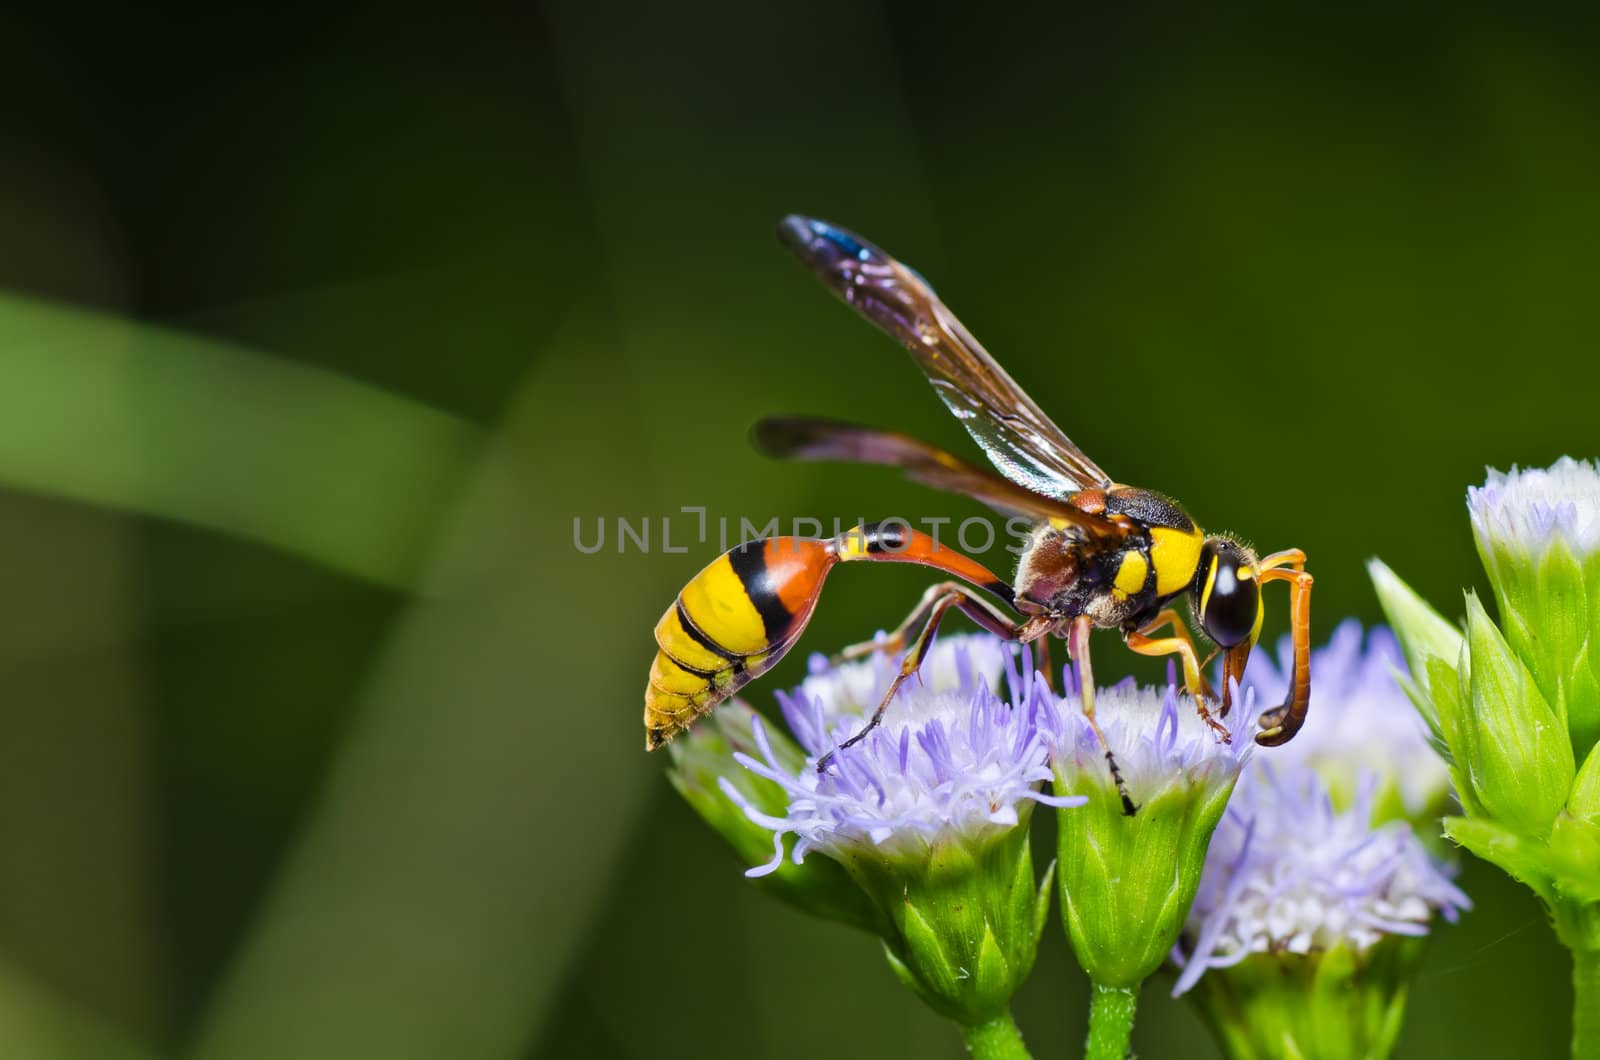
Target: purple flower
column 1159, row 740
column 952, row 758
column 1287, row 873
column 1526, row 510
column 1306, row 858
column 1360, row 720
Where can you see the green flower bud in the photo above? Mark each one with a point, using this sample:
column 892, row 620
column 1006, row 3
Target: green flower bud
column 964, row 925
column 1127, row 882
column 927, row 818
column 1520, row 763
column 1343, row 1003
column 1538, row 533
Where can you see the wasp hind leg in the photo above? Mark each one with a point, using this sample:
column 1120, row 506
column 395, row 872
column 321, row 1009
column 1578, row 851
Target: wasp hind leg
column 1181, row 645
column 894, row 642
column 930, row 611
column 1078, row 648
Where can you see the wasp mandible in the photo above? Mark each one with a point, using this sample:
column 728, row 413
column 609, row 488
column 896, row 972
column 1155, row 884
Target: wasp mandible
column 1100, row 554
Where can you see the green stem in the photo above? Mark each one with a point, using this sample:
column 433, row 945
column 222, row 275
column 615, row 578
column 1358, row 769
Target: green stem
column 1585, row 1004
column 1111, row 1010
column 996, row 1038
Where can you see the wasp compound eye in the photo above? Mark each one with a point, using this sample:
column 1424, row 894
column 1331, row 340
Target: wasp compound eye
column 1229, row 596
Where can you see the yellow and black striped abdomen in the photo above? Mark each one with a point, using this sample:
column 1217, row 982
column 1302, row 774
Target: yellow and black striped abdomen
column 730, row 624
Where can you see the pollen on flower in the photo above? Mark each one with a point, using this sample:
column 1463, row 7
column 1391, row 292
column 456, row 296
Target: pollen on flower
column 1287, row 873
column 1156, row 734
column 951, row 759
column 1529, row 509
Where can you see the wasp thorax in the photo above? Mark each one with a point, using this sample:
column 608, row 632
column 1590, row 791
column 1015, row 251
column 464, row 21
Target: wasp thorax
column 1226, row 594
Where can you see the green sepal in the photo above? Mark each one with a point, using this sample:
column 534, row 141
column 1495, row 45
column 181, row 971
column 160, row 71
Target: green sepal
column 1127, row 882
column 1524, row 860
column 1521, row 764
column 1584, row 801
column 1422, row 631
column 1574, row 852
column 1337, row 1004
column 704, row 755
column 961, row 926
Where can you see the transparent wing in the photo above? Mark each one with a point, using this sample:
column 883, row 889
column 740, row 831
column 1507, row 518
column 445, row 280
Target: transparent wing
column 809, row 438
column 1016, row 435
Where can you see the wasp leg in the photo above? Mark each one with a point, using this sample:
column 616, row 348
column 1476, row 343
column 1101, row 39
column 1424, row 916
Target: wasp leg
column 1279, row 724
column 1041, row 662
column 1078, row 648
column 1193, row 681
column 894, row 643
column 935, row 602
column 1170, row 616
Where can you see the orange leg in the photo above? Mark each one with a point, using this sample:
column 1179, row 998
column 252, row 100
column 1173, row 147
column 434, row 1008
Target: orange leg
column 1279, row 724
column 1183, row 647
column 1078, row 648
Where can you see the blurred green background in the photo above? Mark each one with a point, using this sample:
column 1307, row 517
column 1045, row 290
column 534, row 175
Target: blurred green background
column 318, row 332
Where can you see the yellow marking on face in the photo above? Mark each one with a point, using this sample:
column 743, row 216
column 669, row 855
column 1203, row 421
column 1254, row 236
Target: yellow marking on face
column 1176, row 555
column 1261, row 612
column 1131, row 573
column 718, row 603
column 1211, row 579
column 681, row 645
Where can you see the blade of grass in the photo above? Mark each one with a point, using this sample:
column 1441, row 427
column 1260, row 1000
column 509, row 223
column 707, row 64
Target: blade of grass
column 133, row 417
column 469, row 827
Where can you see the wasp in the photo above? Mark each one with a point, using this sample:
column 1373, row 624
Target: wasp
column 1100, row 554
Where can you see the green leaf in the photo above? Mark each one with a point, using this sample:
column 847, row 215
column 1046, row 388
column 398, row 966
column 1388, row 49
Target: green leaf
column 1521, row 763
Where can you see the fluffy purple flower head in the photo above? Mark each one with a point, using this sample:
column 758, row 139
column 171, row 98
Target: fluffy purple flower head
column 1360, row 720
column 1303, row 860
column 1526, row 510
column 1287, row 873
column 1156, row 732
column 951, row 760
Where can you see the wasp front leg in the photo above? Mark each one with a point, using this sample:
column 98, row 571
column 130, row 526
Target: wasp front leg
column 1078, row 648
column 1279, row 725
column 1181, row 645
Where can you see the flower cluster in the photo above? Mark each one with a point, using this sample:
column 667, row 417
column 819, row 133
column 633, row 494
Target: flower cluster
column 951, row 760
column 1127, row 881
column 1288, row 873
column 1514, row 705
column 1316, row 884
column 927, row 815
